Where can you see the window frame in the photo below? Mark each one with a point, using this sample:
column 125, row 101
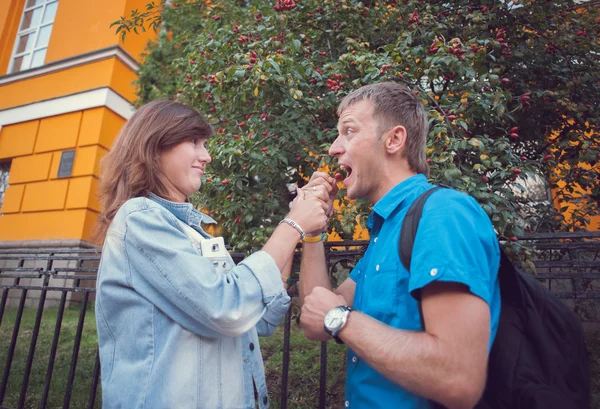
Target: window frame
column 4, row 171
column 32, row 30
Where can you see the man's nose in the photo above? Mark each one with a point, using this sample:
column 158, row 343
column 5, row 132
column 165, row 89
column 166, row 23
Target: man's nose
column 336, row 148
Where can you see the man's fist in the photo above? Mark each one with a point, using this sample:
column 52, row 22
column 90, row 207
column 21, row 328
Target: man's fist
column 316, row 305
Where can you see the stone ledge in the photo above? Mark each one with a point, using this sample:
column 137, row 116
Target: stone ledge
column 44, row 244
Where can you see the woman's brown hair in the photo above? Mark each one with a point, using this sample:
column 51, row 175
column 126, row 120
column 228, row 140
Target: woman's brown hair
column 129, row 169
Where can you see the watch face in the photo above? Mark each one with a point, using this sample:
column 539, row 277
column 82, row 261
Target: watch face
column 333, row 319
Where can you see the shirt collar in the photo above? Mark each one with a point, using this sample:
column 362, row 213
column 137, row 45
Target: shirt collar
column 183, row 211
column 394, row 198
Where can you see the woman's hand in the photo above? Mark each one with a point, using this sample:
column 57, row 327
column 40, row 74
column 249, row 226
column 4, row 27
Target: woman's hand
column 310, row 213
column 322, row 186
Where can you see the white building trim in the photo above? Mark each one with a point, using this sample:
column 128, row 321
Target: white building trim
column 101, row 97
column 61, row 65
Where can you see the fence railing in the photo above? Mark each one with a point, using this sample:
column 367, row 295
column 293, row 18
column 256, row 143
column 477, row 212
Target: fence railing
column 36, row 279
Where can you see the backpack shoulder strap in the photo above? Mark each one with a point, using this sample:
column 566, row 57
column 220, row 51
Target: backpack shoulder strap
column 408, row 231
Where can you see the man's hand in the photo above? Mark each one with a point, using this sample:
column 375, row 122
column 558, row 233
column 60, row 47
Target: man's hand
column 315, row 306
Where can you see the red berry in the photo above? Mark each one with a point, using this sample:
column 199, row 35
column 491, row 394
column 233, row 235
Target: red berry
column 265, row 149
column 242, row 124
column 547, row 157
column 452, row 117
column 338, row 176
column 230, row 197
column 516, row 171
column 209, row 179
column 514, row 129
column 513, row 238
column 505, row 81
column 225, row 182
column 237, row 220
column 514, row 135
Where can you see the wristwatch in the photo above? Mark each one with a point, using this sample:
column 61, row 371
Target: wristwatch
column 334, row 321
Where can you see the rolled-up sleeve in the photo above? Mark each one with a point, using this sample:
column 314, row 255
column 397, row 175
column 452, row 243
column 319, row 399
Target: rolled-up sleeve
column 266, row 272
column 169, row 272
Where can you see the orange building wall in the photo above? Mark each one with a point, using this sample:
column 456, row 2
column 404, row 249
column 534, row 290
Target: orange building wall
column 80, row 26
column 90, row 21
column 109, row 72
column 10, row 17
column 40, row 206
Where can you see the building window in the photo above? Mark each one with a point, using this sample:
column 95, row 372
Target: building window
column 33, row 35
column 4, row 172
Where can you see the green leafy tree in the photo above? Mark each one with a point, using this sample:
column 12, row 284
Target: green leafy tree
column 512, row 93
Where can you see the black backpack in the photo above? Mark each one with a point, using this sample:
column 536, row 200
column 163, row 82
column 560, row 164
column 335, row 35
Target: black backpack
column 538, row 359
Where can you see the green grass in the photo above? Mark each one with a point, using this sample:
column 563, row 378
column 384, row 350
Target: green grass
column 304, row 370
column 85, row 363
column 303, row 389
column 303, row 381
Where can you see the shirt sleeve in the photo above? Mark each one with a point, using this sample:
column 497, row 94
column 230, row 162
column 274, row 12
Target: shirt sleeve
column 455, row 242
column 169, row 272
column 356, row 270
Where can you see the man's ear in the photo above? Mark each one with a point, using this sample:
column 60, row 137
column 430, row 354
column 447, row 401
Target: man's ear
column 395, row 140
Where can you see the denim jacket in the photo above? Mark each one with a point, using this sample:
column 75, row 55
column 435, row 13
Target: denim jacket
column 174, row 332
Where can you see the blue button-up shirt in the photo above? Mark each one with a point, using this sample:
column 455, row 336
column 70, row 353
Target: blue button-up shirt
column 455, row 242
column 173, row 331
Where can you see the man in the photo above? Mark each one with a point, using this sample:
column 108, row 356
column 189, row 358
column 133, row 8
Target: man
column 415, row 337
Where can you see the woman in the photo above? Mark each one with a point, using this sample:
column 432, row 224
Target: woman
column 177, row 320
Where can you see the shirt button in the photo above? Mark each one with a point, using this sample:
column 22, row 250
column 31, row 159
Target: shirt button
column 251, row 346
column 377, row 267
column 433, row 272
column 354, row 359
column 347, row 404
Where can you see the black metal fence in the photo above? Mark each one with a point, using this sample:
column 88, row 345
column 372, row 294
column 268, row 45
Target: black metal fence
column 567, row 263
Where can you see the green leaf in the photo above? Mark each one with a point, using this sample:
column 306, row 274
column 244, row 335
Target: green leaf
column 297, row 45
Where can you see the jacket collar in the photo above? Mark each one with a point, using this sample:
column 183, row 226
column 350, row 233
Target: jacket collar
column 183, row 211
